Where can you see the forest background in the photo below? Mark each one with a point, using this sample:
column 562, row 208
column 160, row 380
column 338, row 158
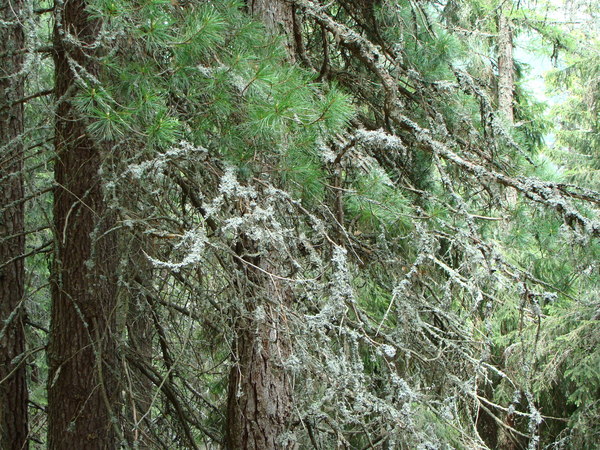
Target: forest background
column 297, row 224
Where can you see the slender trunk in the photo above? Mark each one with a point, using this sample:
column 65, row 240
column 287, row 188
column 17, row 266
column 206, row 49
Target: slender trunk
column 506, row 72
column 506, row 80
column 82, row 383
column 13, row 387
column 506, row 87
column 140, row 332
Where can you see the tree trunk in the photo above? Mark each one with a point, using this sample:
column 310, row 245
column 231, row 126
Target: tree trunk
column 506, row 80
column 260, row 394
column 506, row 72
column 13, row 387
column 140, row 332
column 278, row 17
column 82, row 383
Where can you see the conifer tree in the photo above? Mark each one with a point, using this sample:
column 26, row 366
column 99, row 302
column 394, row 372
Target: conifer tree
column 506, row 72
column 13, row 378
column 82, row 379
column 281, row 224
column 260, row 391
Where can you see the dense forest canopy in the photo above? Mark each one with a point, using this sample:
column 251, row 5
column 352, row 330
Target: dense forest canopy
column 287, row 224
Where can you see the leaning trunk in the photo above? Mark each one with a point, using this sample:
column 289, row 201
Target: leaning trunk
column 13, row 385
column 82, row 383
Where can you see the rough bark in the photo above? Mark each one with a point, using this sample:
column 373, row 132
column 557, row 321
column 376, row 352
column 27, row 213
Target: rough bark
column 13, row 387
column 506, row 86
column 506, row 72
column 260, row 394
column 82, row 383
column 259, row 391
column 278, row 17
column 506, row 81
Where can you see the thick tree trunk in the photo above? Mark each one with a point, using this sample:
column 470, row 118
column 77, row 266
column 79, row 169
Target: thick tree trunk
column 13, row 387
column 82, row 383
column 278, row 17
column 260, row 394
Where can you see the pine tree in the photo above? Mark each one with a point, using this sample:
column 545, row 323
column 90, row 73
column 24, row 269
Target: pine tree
column 13, row 377
column 260, row 392
column 82, row 378
column 282, row 225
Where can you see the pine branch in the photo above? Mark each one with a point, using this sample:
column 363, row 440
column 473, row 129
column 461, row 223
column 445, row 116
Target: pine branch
column 26, row 99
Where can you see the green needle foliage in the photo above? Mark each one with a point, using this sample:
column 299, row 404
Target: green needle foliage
column 317, row 230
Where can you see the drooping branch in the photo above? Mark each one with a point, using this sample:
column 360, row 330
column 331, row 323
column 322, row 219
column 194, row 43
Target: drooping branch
column 548, row 194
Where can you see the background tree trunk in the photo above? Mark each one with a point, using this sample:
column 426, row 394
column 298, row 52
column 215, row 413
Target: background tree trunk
column 140, row 332
column 82, row 383
column 13, row 389
column 506, row 79
column 506, row 71
column 506, row 87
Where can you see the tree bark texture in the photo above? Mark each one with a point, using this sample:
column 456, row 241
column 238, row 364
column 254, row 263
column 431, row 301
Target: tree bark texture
column 13, row 383
column 506, row 86
column 82, row 383
column 278, row 18
column 259, row 391
column 260, row 394
column 506, row 72
column 506, row 81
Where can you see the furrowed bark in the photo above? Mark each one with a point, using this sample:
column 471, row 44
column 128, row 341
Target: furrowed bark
column 13, row 383
column 259, row 392
column 506, row 80
column 82, row 380
column 278, row 17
